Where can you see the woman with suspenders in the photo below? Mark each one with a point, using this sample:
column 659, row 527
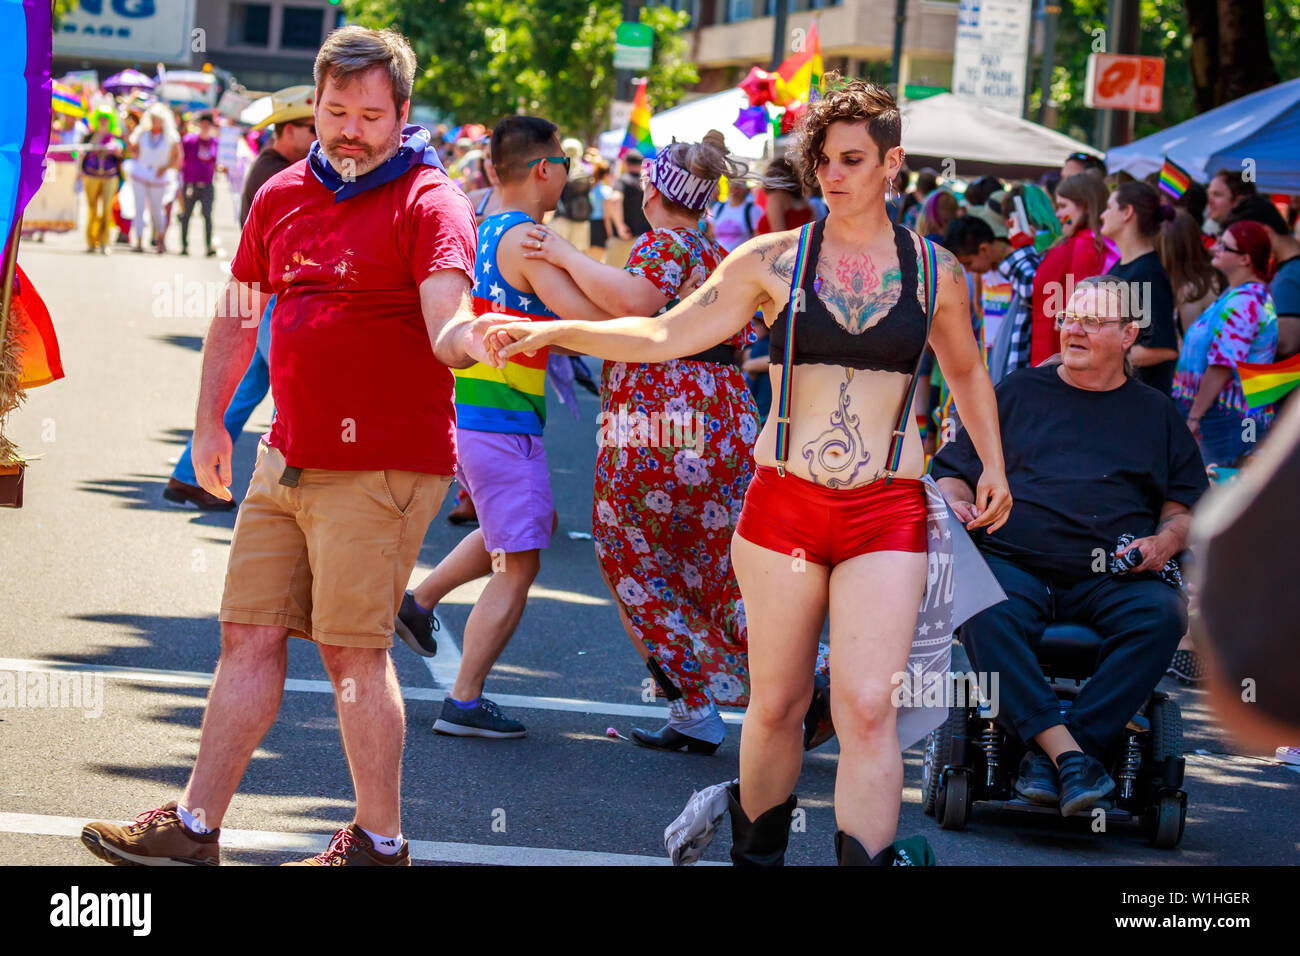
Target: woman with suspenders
column 834, row 520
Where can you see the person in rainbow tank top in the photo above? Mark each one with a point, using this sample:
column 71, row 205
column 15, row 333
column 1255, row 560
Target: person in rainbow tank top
column 500, row 415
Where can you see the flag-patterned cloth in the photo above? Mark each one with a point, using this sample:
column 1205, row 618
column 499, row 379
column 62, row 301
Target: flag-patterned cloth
column 1262, row 385
column 511, row 400
column 638, row 126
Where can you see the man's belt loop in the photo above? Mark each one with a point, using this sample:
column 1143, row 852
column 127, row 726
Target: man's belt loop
column 289, row 477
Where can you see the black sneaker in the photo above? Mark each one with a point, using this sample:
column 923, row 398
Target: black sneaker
column 483, row 720
column 417, row 628
column 1037, row 781
column 1187, row 668
column 1084, row 781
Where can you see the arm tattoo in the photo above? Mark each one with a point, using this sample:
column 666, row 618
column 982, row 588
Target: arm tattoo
column 838, row 453
column 706, row 297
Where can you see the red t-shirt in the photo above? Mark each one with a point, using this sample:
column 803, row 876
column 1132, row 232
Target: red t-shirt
column 1063, row 265
column 355, row 381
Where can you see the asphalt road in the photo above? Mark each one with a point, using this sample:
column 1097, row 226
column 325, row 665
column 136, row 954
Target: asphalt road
column 98, row 571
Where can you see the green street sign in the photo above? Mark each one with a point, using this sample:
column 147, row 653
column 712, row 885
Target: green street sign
column 633, row 43
column 911, row 92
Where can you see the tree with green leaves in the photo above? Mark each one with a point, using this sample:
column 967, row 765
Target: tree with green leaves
column 479, row 60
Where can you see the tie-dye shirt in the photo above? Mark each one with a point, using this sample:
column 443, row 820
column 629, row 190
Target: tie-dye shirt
column 1239, row 326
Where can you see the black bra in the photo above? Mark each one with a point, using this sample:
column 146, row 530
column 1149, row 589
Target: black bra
column 893, row 344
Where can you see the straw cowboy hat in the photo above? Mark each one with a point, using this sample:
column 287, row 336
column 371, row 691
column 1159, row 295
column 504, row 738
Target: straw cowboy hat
column 289, row 104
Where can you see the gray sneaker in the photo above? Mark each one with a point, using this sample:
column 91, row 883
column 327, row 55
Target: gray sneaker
column 416, row 628
column 483, row 720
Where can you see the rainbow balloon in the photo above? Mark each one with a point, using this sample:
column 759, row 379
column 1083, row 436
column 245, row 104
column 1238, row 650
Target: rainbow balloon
column 638, row 126
column 26, row 36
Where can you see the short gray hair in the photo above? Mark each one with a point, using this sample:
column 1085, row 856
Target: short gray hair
column 351, row 50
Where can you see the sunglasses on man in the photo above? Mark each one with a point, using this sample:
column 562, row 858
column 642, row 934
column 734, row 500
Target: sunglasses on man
column 551, row 159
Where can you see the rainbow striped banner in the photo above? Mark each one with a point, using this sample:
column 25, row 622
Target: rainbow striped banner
column 1174, row 180
column 65, row 100
column 638, row 126
column 1265, row 384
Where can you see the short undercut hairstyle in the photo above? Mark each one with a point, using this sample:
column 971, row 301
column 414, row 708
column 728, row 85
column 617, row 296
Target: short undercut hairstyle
column 351, row 51
column 853, row 102
column 966, row 234
column 518, row 139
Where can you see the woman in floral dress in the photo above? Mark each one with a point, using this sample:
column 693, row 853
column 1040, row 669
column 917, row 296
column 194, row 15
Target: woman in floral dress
column 676, row 455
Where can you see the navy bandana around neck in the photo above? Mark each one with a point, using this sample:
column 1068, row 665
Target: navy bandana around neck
column 414, row 151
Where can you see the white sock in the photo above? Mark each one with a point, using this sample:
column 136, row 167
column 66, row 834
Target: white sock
column 190, row 821
column 386, row 845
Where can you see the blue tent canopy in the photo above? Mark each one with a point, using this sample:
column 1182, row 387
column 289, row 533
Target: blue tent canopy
column 1263, row 128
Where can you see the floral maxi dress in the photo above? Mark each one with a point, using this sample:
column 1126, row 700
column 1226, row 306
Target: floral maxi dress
column 675, row 458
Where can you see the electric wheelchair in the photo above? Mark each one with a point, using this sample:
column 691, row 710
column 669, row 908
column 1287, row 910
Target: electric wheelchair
column 970, row 757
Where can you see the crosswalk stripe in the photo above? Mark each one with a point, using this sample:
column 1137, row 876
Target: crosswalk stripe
column 149, row 675
column 309, row 844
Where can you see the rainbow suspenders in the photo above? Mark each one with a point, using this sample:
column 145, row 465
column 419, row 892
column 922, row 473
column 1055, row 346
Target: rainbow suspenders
column 929, row 269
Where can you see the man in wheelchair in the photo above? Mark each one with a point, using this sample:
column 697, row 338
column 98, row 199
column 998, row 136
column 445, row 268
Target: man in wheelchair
column 1104, row 472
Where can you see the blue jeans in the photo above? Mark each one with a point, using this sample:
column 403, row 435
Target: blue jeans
column 252, row 389
column 1220, row 440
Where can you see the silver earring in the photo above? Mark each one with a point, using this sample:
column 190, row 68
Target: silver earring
column 892, row 194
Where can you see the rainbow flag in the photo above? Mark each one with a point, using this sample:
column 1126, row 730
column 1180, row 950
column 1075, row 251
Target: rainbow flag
column 66, row 101
column 1265, row 384
column 638, row 126
column 1174, row 180
column 800, row 77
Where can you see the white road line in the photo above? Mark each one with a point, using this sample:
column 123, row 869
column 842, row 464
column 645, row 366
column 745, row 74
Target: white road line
column 146, row 675
column 428, row 851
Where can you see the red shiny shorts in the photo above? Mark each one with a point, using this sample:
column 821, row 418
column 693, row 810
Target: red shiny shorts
column 830, row 526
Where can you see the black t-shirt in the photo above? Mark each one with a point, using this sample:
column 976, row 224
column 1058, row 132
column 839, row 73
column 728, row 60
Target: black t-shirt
column 267, row 164
column 1155, row 295
column 1084, row 468
column 630, row 186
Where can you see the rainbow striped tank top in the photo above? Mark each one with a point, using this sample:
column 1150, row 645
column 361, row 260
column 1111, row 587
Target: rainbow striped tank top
column 511, row 400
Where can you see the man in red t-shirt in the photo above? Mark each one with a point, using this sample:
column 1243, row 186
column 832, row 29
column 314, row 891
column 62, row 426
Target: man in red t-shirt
column 369, row 249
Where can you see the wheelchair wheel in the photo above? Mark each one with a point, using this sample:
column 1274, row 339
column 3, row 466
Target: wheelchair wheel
column 1168, row 817
column 952, row 803
column 1166, row 729
column 936, row 755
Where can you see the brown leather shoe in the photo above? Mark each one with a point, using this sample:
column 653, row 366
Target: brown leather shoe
column 156, row 838
column 351, row 847
column 464, row 511
column 181, row 492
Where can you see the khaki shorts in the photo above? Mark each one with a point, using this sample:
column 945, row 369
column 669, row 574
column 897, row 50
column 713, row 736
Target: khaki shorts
column 577, row 232
column 331, row 558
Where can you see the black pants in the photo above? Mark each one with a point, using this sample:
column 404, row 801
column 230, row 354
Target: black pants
column 192, row 193
column 1141, row 621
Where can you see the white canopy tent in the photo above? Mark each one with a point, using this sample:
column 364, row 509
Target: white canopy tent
column 689, row 122
column 981, row 141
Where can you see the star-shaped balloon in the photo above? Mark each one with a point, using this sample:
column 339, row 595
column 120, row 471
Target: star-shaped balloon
column 790, row 118
column 752, row 120
column 759, row 86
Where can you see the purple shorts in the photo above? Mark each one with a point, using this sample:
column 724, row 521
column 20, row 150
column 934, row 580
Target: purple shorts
column 507, row 478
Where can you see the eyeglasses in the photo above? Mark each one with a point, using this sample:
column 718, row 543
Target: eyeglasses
column 1089, row 323
column 1080, row 157
column 551, row 159
column 1227, row 248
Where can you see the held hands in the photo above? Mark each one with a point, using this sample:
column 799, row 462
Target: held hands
column 505, row 339
column 211, row 453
